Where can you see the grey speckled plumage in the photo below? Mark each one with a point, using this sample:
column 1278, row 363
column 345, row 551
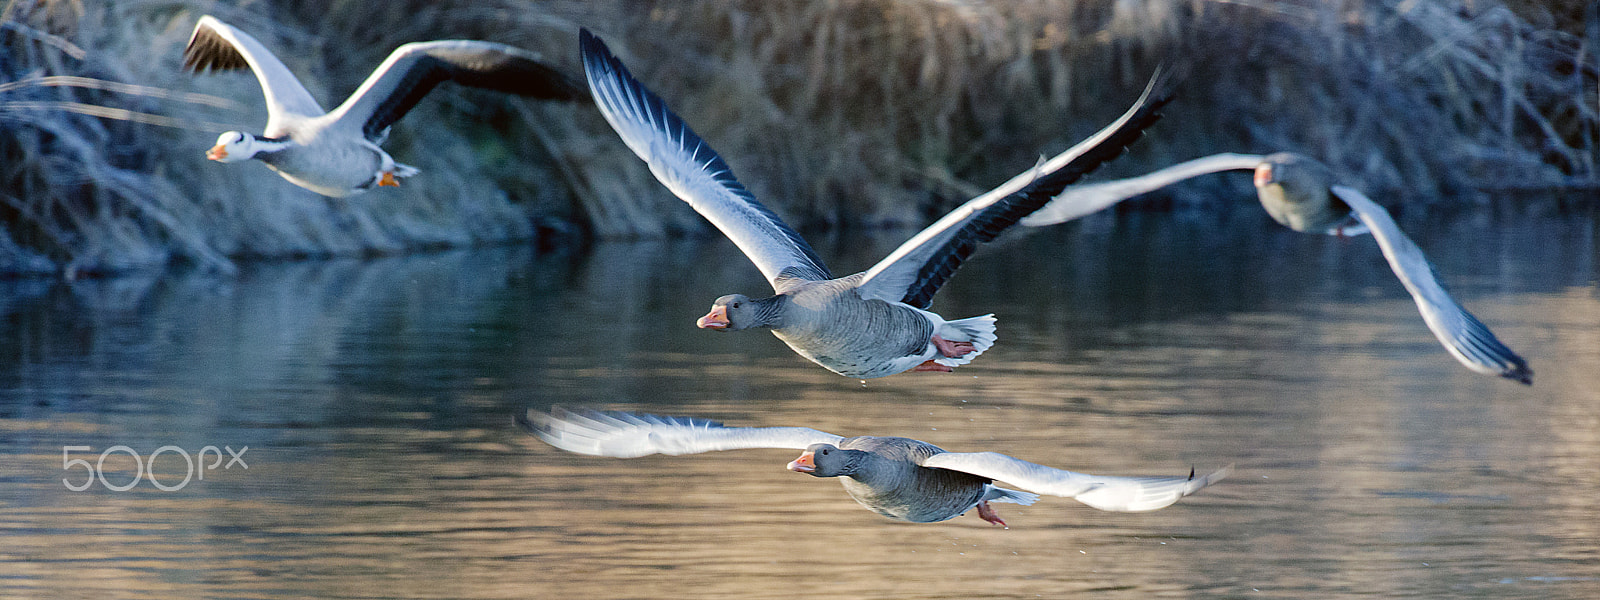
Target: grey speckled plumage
column 869, row 324
column 891, row 479
column 336, row 153
column 1298, row 192
column 830, row 324
column 900, row 478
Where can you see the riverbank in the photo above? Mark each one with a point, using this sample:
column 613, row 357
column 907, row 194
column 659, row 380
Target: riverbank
column 837, row 113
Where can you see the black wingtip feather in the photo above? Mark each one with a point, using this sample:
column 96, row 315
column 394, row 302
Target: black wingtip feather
column 507, row 69
column 1006, row 213
column 1520, row 374
column 1479, row 339
column 208, row 51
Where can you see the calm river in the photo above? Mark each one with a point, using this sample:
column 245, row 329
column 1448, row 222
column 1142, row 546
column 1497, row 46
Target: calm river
column 376, row 399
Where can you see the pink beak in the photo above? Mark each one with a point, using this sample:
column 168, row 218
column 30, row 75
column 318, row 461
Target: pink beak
column 803, row 464
column 1263, row 175
column 716, row 319
column 217, row 152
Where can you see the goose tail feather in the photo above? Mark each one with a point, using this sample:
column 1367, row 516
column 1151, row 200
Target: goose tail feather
column 979, row 331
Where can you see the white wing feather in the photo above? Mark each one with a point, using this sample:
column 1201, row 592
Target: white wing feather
column 1082, row 200
column 1122, row 494
column 1468, row 339
column 287, row 100
column 688, row 167
column 629, row 435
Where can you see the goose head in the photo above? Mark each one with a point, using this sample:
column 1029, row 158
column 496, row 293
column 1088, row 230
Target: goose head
column 234, row 146
column 731, row 313
column 1294, row 191
column 827, row 460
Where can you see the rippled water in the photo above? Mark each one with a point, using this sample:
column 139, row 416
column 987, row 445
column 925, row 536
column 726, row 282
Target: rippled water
column 375, row 399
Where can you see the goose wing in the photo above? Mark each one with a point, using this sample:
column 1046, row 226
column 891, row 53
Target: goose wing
column 414, row 69
column 218, row 46
column 1122, row 494
column 914, row 271
column 629, row 435
column 692, row 170
column 1461, row 333
column 1083, row 200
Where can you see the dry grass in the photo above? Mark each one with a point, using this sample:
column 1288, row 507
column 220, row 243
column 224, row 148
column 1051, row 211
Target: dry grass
column 912, row 105
column 835, row 112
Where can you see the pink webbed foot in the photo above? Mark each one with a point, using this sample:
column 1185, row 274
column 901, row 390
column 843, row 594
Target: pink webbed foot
column 952, row 349
column 987, row 513
column 933, row 366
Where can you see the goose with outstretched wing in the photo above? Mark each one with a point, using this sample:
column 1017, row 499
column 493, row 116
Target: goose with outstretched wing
column 1299, row 193
column 900, row 478
column 337, row 153
column 869, row 324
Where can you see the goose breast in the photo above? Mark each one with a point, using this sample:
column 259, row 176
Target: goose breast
column 853, row 336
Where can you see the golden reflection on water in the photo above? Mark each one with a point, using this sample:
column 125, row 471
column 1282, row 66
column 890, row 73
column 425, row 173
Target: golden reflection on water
column 383, row 461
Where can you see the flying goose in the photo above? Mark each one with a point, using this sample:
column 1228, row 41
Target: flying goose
column 870, row 324
column 1298, row 192
column 336, row 153
column 900, row 478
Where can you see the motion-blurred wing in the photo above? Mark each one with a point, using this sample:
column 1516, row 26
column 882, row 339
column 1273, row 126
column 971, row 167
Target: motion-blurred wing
column 1123, row 494
column 692, row 170
column 1087, row 199
column 1461, row 333
column 629, row 435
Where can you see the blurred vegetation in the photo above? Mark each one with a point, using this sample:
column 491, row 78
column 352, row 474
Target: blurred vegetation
column 835, row 112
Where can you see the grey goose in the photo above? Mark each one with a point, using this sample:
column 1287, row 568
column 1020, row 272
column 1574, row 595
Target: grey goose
column 870, row 324
column 900, row 478
column 1299, row 193
column 337, row 153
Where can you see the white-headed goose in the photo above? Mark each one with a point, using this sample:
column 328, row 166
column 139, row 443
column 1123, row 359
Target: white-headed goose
column 336, row 153
column 899, row 478
column 1299, row 193
column 870, row 324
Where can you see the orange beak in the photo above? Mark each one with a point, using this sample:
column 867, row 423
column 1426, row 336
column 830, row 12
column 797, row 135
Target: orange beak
column 803, row 464
column 716, row 319
column 217, row 152
column 1263, row 175
column 388, row 180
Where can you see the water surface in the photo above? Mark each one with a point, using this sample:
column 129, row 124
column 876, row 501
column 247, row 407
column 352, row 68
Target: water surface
column 376, row 400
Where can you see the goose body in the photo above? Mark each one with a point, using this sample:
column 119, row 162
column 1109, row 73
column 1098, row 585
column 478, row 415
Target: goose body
column 337, row 153
column 900, row 478
column 338, row 167
column 1298, row 192
column 830, row 323
column 869, row 324
column 886, row 476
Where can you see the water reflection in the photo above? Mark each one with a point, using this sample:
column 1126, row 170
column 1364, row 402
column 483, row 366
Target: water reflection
column 375, row 398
